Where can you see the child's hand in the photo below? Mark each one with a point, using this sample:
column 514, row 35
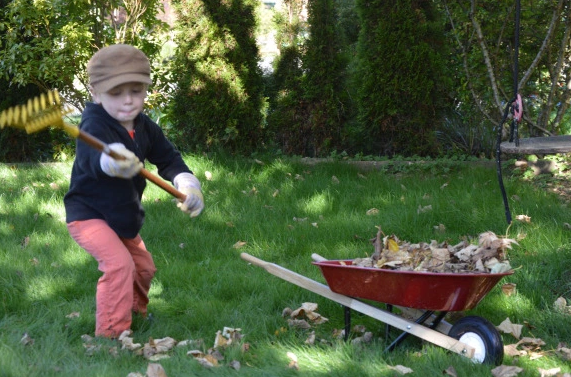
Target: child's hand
column 127, row 168
column 194, row 202
column 189, row 185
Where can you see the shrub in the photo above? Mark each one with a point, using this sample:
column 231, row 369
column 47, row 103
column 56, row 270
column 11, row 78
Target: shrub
column 218, row 101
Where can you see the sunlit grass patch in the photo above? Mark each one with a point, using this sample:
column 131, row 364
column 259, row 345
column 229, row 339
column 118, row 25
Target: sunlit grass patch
column 281, row 211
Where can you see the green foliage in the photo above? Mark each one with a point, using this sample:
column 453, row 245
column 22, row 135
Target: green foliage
column 218, row 102
column 545, row 99
column 465, row 134
column 368, row 78
column 310, row 106
column 400, row 75
column 324, row 83
column 47, row 44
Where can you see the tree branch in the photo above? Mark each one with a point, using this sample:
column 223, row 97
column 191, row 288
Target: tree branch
column 482, row 42
column 547, row 39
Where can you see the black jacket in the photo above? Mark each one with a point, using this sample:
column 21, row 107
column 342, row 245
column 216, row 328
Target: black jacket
column 94, row 195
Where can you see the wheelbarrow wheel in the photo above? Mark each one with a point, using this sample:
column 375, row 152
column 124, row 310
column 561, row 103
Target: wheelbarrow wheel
column 483, row 336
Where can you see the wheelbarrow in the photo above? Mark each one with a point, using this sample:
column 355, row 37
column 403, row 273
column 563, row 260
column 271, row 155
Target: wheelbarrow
column 426, row 297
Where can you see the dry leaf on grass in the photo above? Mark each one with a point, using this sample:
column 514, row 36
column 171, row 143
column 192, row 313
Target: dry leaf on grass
column 561, row 306
column 511, row 350
column 127, row 341
column 534, row 342
column 311, row 338
column 26, row 340
column 366, row 338
column 309, row 310
column 298, row 324
column 440, row 228
column 523, row 218
column 293, row 364
column 401, row 369
column 450, row 371
column 233, row 334
column 239, row 244
column 549, row 372
column 509, row 328
column 227, row 336
column 305, row 307
column 372, row 212
column 220, row 341
column 506, row 371
column 531, row 347
column 156, row 370
column 235, row 364
column 564, row 351
column 424, row 209
column 509, row 289
column 206, row 360
column 162, row 345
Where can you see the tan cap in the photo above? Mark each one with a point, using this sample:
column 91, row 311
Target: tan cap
column 118, row 64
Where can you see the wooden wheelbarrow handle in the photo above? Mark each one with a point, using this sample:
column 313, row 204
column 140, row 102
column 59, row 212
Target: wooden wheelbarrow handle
column 393, row 320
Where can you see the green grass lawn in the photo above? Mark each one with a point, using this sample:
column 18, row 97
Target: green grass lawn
column 281, row 211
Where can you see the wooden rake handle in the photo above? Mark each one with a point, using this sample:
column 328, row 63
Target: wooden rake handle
column 94, row 142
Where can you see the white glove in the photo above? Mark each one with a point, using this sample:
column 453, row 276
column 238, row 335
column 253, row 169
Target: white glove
column 127, row 168
column 189, row 185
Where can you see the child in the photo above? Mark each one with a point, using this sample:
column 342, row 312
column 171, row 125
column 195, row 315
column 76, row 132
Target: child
column 103, row 204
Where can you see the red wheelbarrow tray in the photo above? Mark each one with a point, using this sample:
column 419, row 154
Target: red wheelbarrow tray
column 420, row 290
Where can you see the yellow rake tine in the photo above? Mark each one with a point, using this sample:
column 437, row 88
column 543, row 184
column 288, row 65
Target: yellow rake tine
column 24, row 114
column 30, row 107
column 36, row 105
column 10, row 116
column 16, row 115
column 3, row 119
column 51, row 97
column 56, row 96
column 43, row 103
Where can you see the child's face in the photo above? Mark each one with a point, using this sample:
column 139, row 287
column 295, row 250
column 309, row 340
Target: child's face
column 124, row 102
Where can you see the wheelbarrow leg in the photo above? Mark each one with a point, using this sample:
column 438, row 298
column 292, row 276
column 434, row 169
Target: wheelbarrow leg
column 347, row 322
column 387, row 326
column 437, row 320
column 427, row 314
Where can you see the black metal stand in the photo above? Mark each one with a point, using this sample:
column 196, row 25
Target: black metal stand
column 420, row 320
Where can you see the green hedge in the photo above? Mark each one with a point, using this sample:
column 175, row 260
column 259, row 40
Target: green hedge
column 219, row 97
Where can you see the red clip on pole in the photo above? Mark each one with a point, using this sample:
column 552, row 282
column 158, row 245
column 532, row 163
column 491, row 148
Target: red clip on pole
column 518, row 108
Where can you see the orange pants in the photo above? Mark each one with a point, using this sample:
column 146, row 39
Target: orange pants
column 127, row 268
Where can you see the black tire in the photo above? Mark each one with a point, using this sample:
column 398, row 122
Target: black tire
column 482, row 335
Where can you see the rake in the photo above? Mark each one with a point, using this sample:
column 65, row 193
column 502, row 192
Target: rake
column 46, row 110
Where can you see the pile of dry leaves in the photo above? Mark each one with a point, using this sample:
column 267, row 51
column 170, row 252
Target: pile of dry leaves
column 488, row 256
